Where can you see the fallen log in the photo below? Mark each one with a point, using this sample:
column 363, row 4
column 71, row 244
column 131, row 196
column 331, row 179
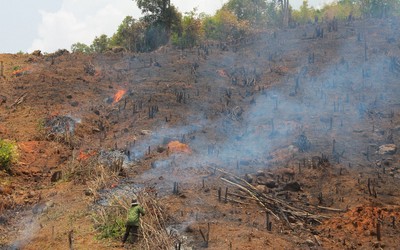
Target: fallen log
column 331, row 209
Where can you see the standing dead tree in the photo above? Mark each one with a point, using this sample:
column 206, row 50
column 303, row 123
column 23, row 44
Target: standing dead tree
column 285, row 12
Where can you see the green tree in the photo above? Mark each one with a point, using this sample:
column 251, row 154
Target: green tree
column 254, row 11
column 159, row 13
column 124, row 33
column 342, row 9
column 190, row 32
column 273, row 13
column 130, row 35
column 161, row 18
column 100, row 44
column 304, row 12
column 379, row 8
column 225, row 26
column 81, row 48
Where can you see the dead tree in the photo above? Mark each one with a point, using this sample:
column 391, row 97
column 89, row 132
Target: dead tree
column 285, row 12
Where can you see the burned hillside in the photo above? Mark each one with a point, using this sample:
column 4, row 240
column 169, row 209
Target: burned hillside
column 283, row 140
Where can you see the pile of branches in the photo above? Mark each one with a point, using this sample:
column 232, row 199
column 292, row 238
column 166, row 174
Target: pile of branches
column 110, row 220
column 154, row 234
column 278, row 208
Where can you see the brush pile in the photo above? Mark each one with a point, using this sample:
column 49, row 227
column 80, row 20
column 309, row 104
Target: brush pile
column 280, row 209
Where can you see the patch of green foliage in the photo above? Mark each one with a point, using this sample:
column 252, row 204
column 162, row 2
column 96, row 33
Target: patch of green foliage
column 8, row 154
column 111, row 226
column 109, row 221
column 16, row 68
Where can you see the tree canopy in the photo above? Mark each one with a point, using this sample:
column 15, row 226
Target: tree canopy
column 162, row 22
column 254, row 11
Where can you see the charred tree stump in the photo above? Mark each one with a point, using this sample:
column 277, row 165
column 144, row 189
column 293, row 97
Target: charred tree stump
column 178, row 245
column 176, row 188
column 71, row 240
column 206, row 237
column 319, row 32
column 311, row 58
column 369, row 186
column 378, row 230
column 320, row 199
column 153, row 110
column 333, row 147
column 268, row 222
column 1, row 69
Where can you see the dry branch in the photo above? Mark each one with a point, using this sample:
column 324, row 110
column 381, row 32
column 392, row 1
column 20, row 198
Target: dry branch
column 19, row 100
column 331, row 209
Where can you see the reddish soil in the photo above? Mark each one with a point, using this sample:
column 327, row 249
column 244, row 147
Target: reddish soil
column 301, row 119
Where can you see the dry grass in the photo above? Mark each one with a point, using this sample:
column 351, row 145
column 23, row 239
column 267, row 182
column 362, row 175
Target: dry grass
column 110, row 220
column 94, row 174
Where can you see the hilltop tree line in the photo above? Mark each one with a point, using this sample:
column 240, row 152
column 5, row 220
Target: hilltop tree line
column 163, row 23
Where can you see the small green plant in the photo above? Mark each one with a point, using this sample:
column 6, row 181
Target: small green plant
column 8, row 154
column 114, row 228
column 15, row 68
column 41, row 128
column 110, row 221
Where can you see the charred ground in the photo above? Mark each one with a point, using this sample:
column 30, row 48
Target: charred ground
column 285, row 119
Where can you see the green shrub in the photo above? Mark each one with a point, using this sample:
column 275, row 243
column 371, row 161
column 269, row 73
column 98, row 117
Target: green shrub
column 8, row 154
column 15, row 68
column 114, row 229
column 110, row 223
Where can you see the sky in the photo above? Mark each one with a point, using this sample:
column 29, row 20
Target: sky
column 49, row 25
